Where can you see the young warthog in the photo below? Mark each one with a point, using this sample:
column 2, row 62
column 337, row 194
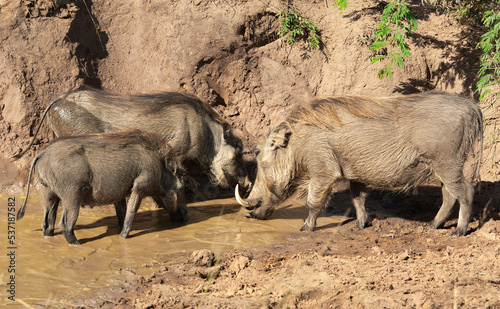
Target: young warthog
column 198, row 135
column 100, row 169
column 382, row 143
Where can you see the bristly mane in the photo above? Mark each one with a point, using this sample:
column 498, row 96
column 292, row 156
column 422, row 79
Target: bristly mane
column 152, row 103
column 158, row 100
column 321, row 111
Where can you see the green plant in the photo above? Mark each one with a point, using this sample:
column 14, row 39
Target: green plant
column 341, row 4
column 296, row 26
column 395, row 24
column 489, row 72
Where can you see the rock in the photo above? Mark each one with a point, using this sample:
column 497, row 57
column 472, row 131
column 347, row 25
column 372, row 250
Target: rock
column 204, row 258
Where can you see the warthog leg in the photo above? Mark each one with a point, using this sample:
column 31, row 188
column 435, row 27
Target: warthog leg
column 120, row 208
column 71, row 210
column 50, row 203
column 464, row 192
column 141, row 184
column 358, row 194
column 458, row 188
column 134, row 201
column 465, row 208
column 445, row 210
column 317, row 197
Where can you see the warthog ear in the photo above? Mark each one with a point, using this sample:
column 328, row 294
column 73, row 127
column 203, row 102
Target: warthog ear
column 279, row 137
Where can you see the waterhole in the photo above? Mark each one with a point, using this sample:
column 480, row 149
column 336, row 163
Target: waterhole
column 49, row 272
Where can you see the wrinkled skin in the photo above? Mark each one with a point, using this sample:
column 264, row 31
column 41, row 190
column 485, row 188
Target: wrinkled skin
column 103, row 169
column 198, row 135
column 390, row 144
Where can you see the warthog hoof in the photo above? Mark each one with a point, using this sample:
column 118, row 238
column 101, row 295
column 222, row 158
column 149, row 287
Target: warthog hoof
column 71, row 238
column 365, row 223
column 306, row 228
column 179, row 216
column 432, row 226
column 458, row 232
column 48, row 233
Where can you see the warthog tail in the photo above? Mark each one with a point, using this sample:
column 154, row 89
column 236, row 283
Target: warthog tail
column 19, row 155
column 477, row 175
column 20, row 213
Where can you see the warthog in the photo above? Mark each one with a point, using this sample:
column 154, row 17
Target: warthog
column 194, row 130
column 99, row 169
column 381, row 143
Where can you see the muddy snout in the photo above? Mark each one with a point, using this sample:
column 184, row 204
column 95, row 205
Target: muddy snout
column 253, row 207
column 258, row 212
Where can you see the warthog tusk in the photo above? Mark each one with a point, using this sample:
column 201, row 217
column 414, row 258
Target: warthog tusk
column 238, row 197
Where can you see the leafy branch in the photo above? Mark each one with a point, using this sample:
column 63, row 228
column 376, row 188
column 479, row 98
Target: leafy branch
column 489, row 71
column 396, row 23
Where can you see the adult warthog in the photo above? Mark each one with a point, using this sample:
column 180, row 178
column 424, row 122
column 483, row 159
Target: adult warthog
column 194, row 130
column 382, row 143
column 101, row 169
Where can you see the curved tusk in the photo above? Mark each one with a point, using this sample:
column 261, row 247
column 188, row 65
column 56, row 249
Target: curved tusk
column 238, row 197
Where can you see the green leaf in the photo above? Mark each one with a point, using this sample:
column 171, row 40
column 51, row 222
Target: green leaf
column 341, row 4
column 486, row 92
column 377, row 45
column 383, row 32
column 396, row 58
column 296, row 26
column 378, row 58
column 384, row 72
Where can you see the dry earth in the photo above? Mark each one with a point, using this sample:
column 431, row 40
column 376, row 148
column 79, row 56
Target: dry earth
column 228, row 53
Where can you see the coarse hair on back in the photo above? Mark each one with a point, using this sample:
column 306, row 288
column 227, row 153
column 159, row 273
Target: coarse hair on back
column 123, row 138
column 153, row 103
column 321, row 111
column 159, row 100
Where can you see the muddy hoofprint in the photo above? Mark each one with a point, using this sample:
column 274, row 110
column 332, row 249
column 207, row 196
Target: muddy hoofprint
column 382, row 143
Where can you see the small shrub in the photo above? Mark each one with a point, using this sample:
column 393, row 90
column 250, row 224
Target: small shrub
column 397, row 21
column 296, row 26
column 489, row 72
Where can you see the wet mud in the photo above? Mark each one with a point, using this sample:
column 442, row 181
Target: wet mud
column 49, row 271
column 395, row 262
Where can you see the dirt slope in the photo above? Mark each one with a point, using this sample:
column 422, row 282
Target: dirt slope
column 226, row 52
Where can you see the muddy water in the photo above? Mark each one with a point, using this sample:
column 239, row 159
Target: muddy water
column 49, row 272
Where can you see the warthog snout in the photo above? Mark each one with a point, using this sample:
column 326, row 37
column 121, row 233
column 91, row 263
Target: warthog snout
column 254, row 207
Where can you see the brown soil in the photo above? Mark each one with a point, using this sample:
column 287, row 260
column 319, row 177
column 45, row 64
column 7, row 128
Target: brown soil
column 228, row 53
column 394, row 263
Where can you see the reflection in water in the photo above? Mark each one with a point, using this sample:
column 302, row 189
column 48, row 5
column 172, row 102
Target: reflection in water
column 49, row 271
